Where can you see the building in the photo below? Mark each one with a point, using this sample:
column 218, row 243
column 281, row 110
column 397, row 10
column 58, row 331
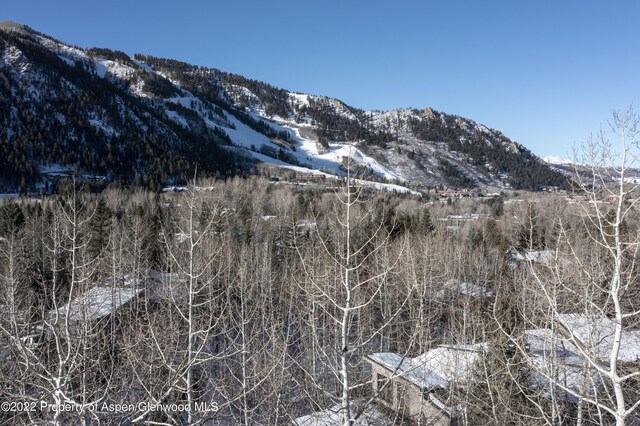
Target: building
column 96, row 306
column 420, row 388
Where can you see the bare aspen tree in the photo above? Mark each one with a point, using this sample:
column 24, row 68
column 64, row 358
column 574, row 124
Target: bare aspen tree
column 585, row 292
column 59, row 366
column 353, row 289
column 193, row 255
column 16, row 333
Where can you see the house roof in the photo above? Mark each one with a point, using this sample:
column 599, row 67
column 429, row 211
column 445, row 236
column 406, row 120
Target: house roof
column 452, row 362
column 101, row 300
column 539, row 256
column 596, row 335
column 408, row 369
column 440, row 367
column 556, row 360
column 97, row 302
column 465, row 288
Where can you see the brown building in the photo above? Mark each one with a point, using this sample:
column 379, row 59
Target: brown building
column 421, row 388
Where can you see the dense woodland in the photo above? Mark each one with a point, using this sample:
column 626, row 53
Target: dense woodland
column 49, row 123
column 242, row 299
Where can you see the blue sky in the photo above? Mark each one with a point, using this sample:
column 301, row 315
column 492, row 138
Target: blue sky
column 546, row 73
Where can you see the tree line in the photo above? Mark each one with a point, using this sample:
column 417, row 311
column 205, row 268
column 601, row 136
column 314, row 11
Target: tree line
column 264, row 299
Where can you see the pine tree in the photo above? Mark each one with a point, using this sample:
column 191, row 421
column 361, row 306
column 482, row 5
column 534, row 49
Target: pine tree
column 528, row 236
column 99, row 227
column 11, row 218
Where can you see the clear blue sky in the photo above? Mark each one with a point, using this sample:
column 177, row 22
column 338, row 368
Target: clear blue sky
column 546, row 73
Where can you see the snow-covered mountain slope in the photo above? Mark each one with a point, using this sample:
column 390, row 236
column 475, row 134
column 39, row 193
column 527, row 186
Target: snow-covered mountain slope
column 583, row 171
column 552, row 159
column 150, row 121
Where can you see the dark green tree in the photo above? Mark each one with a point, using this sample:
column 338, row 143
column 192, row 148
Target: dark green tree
column 11, row 218
column 528, row 235
column 99, row 226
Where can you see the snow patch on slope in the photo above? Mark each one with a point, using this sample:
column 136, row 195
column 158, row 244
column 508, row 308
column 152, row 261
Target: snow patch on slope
column 552, row 159
column 176, row 117
column 101, row 125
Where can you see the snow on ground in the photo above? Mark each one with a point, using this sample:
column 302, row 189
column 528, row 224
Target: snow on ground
column 307, row 152
column 101, row 69
column 137, row 89
column 275, row 162
column 144, row 66
column 186, row 101
column 239, row 93
column 108, row 130
column 245, row 136
column 483, row 128
column 539, row 256
column 300, row 99
column 333, row 416
column 305, row 149
column 55, row 169
column 391, row 187
column 176, row 117
column 60, row 117
column 181, row 237
column 12, row 56
column 72, row 53
column 67, row 60
column 389, row 119
column 121, row 71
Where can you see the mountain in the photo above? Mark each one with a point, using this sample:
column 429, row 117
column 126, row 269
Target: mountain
column 584, row 171
column 150, row 121
column 555, row 160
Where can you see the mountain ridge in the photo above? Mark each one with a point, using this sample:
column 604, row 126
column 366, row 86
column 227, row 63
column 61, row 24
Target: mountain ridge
column 153, row 121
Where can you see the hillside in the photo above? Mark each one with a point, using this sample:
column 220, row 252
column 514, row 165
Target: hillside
column 149, row 121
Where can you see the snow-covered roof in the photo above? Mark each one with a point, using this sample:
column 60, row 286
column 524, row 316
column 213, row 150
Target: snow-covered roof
column 468, row 289
column 539, row 256
column 437, row 368
column 101, row 300
column 97, row 302
column 596, row 335
column 408, row 369
column 558, row 365
column 452, row 362
column 333, row 417
column 306, row 224
column 544, row 342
